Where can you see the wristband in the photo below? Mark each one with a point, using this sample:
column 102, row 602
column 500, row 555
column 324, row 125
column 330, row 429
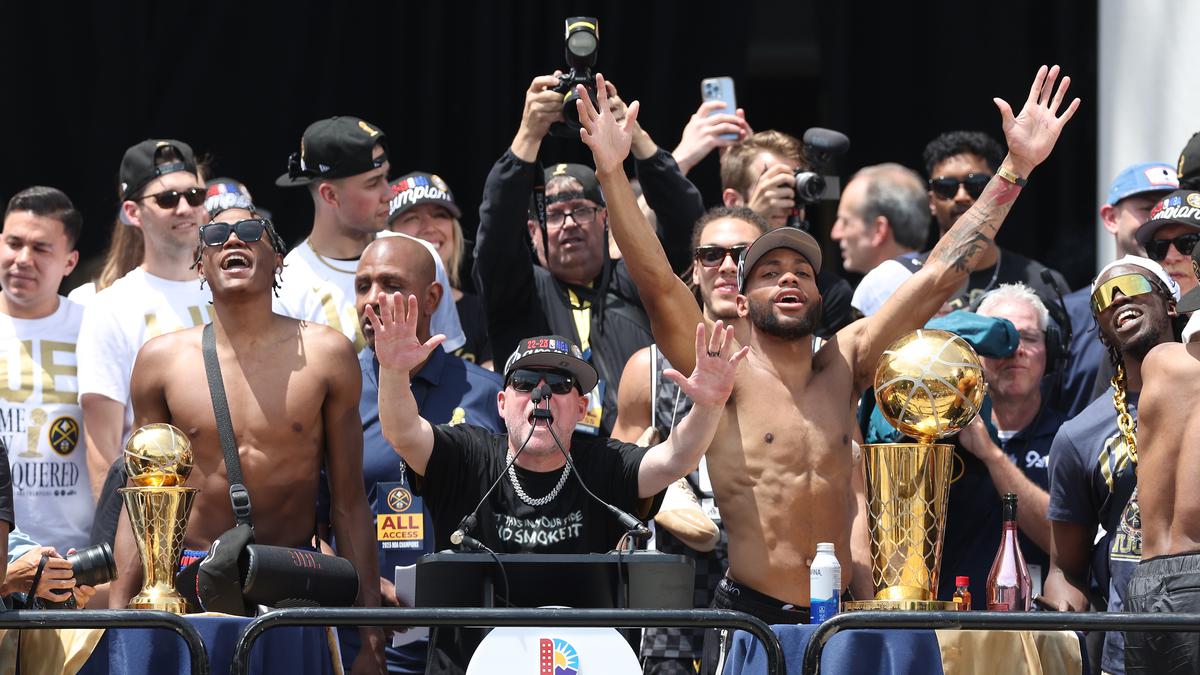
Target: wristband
column 1008, row 175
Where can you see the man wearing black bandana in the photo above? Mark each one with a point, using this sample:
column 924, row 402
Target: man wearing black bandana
column 577, row 291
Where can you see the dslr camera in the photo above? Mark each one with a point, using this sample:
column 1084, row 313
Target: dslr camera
column 819, row 183
column 582, row 40
column 90, row 566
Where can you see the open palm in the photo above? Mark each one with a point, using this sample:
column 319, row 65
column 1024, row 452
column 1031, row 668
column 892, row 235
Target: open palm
column 711, row 381
column 608, row 139
column 395, row 326
column 1032, row 132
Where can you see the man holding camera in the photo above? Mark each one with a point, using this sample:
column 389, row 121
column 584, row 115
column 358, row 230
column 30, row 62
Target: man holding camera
column 577, row 291
column 293, row 393
column 760, row 173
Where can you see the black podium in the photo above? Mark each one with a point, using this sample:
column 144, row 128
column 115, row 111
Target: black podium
column 645, row 579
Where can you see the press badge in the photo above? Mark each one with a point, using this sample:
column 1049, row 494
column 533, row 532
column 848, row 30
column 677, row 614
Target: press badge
column 399, row 517
column 590, row 424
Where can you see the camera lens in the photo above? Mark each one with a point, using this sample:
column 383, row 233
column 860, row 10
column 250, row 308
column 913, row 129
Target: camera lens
column 809, row 187
column 93, row 565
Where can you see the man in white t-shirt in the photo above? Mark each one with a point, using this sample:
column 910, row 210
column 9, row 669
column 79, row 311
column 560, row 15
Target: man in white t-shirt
column 164, row 197
column 343, row 162
column 40, row 420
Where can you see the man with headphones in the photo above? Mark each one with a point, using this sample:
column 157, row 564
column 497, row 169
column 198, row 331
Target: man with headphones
column 1016, row 458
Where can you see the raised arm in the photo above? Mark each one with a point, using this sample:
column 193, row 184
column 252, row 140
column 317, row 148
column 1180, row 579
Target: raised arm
column 1030, row 135
column 672, row 310
column 709, row 386
column 399, row 352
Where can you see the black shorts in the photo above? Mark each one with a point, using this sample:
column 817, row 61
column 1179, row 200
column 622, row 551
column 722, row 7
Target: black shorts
column 739, row 597
column 1166, row 584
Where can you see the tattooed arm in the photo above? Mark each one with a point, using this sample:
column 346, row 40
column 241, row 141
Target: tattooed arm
column 1031, row 136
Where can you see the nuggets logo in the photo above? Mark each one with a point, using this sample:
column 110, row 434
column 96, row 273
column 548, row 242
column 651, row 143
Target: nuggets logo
column 64, row 435
column 367, row 128
column 399, row 499
column 557, row 657
column 458, row 417
column 1194, row 199
column 560, row 170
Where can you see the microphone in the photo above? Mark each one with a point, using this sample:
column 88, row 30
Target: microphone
column 541, row 393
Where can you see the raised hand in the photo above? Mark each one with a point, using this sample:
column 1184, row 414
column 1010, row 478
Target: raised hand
column 1032, row 133
column 396, row 343
column 608, row 139
column 543, row 107
column 704, row 132
column 712, row 380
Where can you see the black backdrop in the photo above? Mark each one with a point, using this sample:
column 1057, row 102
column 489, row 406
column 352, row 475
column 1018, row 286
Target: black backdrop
column 446, row 81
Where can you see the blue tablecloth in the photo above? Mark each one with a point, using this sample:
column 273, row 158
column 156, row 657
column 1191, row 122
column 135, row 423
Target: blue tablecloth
column 145, row 651
column 847, row 653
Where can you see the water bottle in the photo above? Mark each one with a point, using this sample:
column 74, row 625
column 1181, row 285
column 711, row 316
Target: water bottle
column 824, row 584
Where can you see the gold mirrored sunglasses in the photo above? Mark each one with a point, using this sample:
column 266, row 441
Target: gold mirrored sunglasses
column 1128, row 284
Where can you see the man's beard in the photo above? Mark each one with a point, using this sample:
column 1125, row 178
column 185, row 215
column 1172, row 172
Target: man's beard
column 766, row 321
column 1140, row 345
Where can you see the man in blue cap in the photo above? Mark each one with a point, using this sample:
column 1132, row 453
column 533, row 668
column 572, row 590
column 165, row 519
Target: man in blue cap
column 1132, row 193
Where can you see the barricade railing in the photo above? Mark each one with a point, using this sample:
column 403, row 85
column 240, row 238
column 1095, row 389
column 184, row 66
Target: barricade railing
column 30, row 619
column 1077, row 621
column 557, row 618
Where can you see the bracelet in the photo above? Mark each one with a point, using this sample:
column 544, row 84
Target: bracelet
column 32, row 600
column 1008, row 175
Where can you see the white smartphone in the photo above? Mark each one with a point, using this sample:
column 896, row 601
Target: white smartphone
column 720, row 89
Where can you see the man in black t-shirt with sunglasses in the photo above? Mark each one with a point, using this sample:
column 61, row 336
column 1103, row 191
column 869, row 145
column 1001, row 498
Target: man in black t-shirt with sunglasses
column 538, row 506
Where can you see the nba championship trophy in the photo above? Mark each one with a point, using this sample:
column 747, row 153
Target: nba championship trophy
column 929, row 385
column 159, row 459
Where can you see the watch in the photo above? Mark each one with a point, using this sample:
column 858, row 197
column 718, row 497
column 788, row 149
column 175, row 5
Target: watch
column 1011, row 177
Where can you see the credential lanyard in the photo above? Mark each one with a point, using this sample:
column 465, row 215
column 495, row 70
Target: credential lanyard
column 238, row 494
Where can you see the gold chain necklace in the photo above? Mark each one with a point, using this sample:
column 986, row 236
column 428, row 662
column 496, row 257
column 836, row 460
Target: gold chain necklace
column 1125, row 421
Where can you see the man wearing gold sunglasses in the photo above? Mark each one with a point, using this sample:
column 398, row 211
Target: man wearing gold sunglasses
column 1168, row 577
column 1092, row 459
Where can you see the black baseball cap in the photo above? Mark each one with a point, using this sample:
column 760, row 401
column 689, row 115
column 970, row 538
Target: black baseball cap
column 584, row 174
column 334, row 148
column 138, row 166
column 1189, row 164
column 1180, row 207
column 783, row 237
column 419, row 188
column 552, row 351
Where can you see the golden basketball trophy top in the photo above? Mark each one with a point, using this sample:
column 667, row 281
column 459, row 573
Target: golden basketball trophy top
column 929, row 385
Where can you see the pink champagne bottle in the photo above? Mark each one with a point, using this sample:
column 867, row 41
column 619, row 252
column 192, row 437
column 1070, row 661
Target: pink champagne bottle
column 1008, row 585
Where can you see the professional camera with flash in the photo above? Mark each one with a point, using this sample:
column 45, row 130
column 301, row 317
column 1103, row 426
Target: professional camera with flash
column 819, row 183
column 582, row 41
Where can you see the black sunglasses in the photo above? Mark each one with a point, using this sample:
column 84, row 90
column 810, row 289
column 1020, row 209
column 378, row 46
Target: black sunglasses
column 946, row 187
column 169, row 199
column 524, row 380
column 1184, row 243
column 248, row 231
column 713, row 256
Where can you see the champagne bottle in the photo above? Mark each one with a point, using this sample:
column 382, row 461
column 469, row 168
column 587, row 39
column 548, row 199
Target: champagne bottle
column 1008, row 586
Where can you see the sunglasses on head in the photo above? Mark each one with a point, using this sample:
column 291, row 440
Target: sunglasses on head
column 1157, row 250
column 169, row 199
column 713, row 256
column 524, row 380
column 1128, row 284
column 946, row 187
column 248, row 231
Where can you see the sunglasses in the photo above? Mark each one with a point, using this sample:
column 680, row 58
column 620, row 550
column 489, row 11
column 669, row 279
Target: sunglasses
column 1157, row 250
column 713, row 256
column 248, row 231
column 169, row 199
column 1128, row 284
column 524, row 380
column 946, row 188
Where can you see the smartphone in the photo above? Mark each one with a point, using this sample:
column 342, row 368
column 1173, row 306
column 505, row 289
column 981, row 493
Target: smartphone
column 720, row 89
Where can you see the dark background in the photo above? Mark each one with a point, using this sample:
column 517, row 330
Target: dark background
column 446, row 82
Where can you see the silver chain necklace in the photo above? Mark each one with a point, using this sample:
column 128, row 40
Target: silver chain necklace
column 540, row 501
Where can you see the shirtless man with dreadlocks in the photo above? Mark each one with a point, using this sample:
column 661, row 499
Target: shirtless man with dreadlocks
column 1093, row 457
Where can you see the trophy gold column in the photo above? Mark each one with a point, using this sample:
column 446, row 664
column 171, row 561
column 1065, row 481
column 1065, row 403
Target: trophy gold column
column 159, row 459
column 929, row 385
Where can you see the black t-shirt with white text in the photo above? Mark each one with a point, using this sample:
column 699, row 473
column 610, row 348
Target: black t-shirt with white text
column 466, row 459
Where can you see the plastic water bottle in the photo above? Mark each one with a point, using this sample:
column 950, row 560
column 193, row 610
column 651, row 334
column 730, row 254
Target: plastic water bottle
column 825, row 584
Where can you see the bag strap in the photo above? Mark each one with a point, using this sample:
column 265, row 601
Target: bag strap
column 238, row 494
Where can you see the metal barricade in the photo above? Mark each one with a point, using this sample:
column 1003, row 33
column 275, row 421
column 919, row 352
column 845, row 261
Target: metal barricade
column 29, row 619
column 1105, row 621
column 565, row 618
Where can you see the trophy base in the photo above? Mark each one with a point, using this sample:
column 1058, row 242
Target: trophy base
column 899, row 606
column 163, row 602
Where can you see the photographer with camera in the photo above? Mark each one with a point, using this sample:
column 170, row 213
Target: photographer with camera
column 578, row 291
column 761, row 173
column 57, row 584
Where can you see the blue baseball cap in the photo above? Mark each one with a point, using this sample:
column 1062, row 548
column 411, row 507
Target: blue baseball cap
column 1148, row 177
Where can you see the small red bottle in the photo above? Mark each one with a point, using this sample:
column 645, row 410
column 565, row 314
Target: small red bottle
column 962, row 593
